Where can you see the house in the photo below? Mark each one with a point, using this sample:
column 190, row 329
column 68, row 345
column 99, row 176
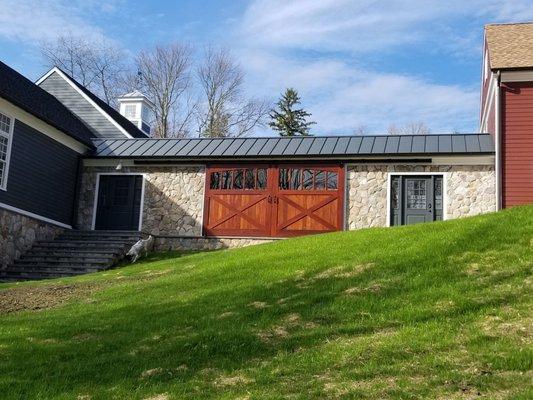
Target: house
column 71, row 165
column 507, row 108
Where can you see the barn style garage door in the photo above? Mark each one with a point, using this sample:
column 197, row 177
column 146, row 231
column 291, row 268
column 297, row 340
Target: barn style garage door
column 273, row 200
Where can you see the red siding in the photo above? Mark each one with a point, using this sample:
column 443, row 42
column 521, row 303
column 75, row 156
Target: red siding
column 517, row 144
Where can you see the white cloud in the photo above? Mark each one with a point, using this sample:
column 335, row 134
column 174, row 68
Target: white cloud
column 367, row 25
column 318, row 46
column 35, row 21
column 342, row 97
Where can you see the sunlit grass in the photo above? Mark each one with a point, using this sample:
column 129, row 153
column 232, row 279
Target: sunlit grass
column 440, row 310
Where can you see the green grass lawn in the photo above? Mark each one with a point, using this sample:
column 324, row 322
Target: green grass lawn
column 433, row 311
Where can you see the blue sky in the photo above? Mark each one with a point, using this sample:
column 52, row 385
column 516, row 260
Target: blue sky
column 355, row 62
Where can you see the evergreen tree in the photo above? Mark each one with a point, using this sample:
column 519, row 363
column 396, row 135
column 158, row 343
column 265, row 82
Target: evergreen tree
column 287, row 120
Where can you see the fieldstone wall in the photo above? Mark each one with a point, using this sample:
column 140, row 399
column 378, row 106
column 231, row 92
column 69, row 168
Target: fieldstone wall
column 470, row 191
column 204, row 243
column 18, row 233
column 173, row 199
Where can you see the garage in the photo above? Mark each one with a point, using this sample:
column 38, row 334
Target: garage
column 275, row 200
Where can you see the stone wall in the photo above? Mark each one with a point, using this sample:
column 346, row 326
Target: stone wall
column 204, row 243
column 470, row 191
column 173, row 199
column 18, row 233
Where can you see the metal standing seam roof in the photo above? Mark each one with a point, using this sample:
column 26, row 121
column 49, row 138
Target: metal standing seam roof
column 299, row 147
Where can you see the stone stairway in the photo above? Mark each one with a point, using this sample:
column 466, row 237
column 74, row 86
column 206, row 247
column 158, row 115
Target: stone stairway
column 71, row 253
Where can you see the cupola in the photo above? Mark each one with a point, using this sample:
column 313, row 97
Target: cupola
column 136, row 107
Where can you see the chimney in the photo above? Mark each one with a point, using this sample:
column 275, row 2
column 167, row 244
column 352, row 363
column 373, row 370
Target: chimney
column 136, row 107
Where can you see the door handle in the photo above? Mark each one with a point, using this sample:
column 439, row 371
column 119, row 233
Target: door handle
column 429, row 207
column 275, row 199
column 270, row 199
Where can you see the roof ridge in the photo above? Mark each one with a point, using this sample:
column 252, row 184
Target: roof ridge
column 300, row 137
column 508, row 23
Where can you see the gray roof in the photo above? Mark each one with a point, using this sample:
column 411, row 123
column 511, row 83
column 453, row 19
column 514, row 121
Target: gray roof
column 295, row 147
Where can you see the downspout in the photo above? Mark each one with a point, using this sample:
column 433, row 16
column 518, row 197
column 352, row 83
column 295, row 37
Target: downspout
column 497, row 143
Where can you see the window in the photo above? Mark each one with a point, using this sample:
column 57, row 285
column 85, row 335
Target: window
column 238, row 179
column 416, row 194
column 146, row 114
column 130, row 110
column 307, row 179
column 6, row 134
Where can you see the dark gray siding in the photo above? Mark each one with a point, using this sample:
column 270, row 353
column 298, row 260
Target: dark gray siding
column 77, row 104
column 42, row 175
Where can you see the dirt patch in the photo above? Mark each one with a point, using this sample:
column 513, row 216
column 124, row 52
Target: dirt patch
column 343, row 271
column 258, row 304
column 374, row 288
column 235, row 380
column 519, row 329
column 151, row 372
column 289, row 323
column 226, row 314
column 33, row 298
column 162, row 396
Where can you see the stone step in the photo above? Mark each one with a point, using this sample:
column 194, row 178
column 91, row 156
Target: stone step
column 85, row 243
column 72, row 253
column 91, row 238
column 65, row 270
column 52, row 252
column 35, row 273
column 72, row 262
column 29, row 259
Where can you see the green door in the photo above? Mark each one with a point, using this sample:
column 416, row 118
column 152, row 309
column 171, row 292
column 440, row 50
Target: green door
column 416, row 199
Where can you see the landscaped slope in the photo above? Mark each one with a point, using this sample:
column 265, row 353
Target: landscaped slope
column 441, row 310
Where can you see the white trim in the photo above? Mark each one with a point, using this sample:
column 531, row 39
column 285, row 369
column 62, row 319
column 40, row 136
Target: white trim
column 97, row 188
column 491, row 90
column 203, row 202
column 517, row 76
column 66, row 78
column 10, row 137
column 34, row 216
column 42, row 127
column 497, row 146
column 346, row 202
column 444, row 191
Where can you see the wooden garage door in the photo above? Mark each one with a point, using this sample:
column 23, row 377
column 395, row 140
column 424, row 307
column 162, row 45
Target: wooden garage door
column 275, row 200
column 308, row 199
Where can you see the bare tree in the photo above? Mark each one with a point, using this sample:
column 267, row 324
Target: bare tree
column 411, row 128
column 360, row 130
column 97, row 65
column 166, row 79
column 224, row 111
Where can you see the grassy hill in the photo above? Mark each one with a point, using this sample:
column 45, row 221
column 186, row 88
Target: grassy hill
column 441, row 310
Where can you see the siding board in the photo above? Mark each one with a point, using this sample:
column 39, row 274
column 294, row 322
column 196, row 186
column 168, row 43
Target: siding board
column 517, row 144
column 99, row 125
column 42, row 175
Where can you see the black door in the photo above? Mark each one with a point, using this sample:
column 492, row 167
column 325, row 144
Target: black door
column 119, row 202
column 416, row 199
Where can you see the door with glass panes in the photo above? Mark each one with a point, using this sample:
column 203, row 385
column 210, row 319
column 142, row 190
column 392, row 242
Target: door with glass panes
column 416, row 199
column 273, row 200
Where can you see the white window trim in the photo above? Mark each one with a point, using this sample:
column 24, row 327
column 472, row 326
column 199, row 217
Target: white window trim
column 444, row 190
column 97, row 189
column 3, row 184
